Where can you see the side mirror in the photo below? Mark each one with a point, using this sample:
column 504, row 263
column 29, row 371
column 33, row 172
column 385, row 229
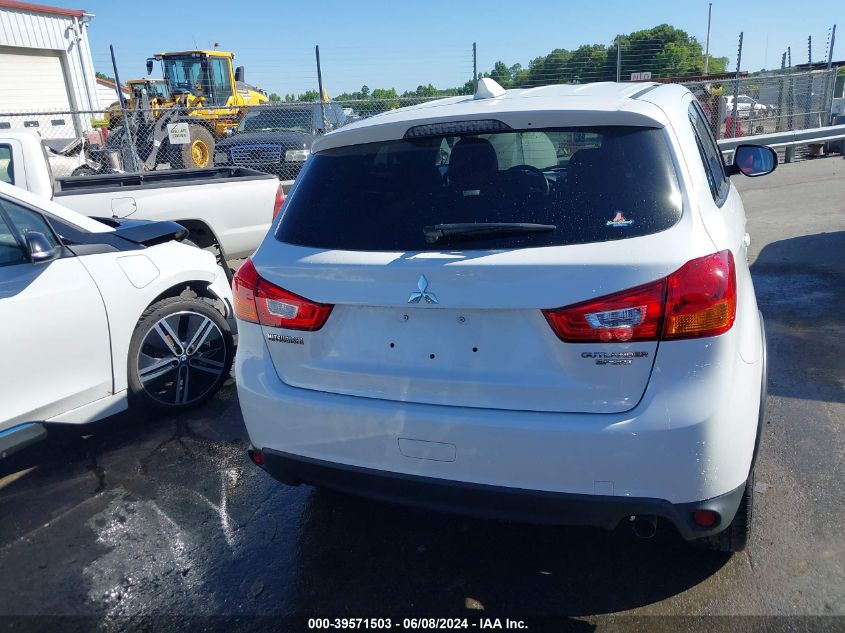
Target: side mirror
column 239, row 73
column 753, row 161
column 41, row 249
column 150, row 64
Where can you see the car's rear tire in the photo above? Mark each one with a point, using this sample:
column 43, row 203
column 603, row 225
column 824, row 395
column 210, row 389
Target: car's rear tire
column 180, row 354
column 734, row 538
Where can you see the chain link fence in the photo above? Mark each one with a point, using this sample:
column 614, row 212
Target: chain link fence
column 766, row 103
column 276, row 137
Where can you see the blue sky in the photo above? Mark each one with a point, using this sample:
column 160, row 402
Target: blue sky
column 405, row 43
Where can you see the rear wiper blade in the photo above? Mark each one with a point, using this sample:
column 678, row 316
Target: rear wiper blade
column 467, row 230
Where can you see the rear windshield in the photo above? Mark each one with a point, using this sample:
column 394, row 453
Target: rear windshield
column 582, row 184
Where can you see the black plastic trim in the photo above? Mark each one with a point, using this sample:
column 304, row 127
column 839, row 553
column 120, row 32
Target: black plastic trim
column 109, row 183
column 764, row 392
column 150, row 233
column 645, row 90
column 497, row 502
column 19, row 437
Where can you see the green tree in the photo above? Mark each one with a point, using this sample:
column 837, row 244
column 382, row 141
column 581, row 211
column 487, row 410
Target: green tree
column 427, row 91
column 274, row 97
column 501, row 74
column 309, row 95
column 663, row 50
column 717, row 65
column 674, row 59
column 384, row 93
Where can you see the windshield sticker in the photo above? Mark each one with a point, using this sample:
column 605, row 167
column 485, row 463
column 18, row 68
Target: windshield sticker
column 619, row 220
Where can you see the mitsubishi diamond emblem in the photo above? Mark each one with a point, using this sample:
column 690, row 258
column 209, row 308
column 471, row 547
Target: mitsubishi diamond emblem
column 422, row 284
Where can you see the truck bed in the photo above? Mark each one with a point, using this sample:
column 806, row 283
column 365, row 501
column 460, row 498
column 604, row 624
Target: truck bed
column 231, row 207
column 72, row 185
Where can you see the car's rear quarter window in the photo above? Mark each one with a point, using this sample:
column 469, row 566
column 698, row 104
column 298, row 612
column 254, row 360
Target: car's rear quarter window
column 593, row 184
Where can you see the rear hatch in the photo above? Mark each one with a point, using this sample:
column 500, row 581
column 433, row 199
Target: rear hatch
column 457, row 320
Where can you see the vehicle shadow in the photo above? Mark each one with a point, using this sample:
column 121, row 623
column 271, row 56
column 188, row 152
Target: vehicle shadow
column 381, row 558
column 143, row 516
column 800, row 286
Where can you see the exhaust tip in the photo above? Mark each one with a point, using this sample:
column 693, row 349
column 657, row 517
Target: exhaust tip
column 644, row 527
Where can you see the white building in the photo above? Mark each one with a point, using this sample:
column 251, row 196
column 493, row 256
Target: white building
column 46, row 67
column 107, row 93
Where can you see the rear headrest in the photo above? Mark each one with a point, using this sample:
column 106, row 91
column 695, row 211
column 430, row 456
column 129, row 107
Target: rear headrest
column 585, row 158
column 472, row 157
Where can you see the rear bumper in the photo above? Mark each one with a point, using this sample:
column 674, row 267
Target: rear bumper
column 689, row 441
column 497, row 502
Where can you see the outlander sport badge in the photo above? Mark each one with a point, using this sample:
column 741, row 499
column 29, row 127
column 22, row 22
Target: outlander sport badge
column 422, row 284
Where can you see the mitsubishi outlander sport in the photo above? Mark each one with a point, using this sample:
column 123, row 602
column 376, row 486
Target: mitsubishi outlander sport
column 526, row 304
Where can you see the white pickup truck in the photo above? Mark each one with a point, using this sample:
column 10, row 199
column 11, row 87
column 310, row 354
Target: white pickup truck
column 227, row 208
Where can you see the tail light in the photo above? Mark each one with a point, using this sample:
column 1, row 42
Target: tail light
column 698, row 299
column 631, row 315
column 701, row 297
column 280, row 200
column 259, row 301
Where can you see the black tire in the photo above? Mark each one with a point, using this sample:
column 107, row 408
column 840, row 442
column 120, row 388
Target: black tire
column 164, row 371
column 734, row 538
column 182, row 156
column 84, row 170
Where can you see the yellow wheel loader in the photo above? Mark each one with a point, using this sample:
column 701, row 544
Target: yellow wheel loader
column 201, row 91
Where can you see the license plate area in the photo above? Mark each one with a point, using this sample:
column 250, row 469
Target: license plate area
column 430, row 336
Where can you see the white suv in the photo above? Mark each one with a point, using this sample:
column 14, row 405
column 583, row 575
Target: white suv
column 531, row 304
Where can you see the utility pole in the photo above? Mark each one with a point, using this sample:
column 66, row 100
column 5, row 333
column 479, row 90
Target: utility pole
column 707, row 45
column 736, row 88
column 618, row 58
column 320, row 86
column 130, row 153
column 830, row 86
column 781, row 92
column 830, row 49
column 808, row 93
column 474, row 69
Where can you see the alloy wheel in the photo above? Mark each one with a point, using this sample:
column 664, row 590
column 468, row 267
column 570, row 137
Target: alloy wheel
column 181, row 358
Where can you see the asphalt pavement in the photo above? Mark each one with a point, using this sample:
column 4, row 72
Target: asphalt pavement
column 140, row 517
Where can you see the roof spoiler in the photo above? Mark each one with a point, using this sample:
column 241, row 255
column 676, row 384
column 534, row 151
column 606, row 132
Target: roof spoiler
column 145, row 232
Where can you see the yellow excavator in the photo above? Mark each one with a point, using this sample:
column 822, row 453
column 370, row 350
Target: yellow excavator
column 156, row 89
column 201, row 90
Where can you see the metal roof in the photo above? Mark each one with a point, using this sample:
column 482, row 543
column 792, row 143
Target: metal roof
column 41, row 8
column 211, row 53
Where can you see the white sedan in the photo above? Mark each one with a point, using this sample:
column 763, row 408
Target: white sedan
column 98, row 315
column 747, row 107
